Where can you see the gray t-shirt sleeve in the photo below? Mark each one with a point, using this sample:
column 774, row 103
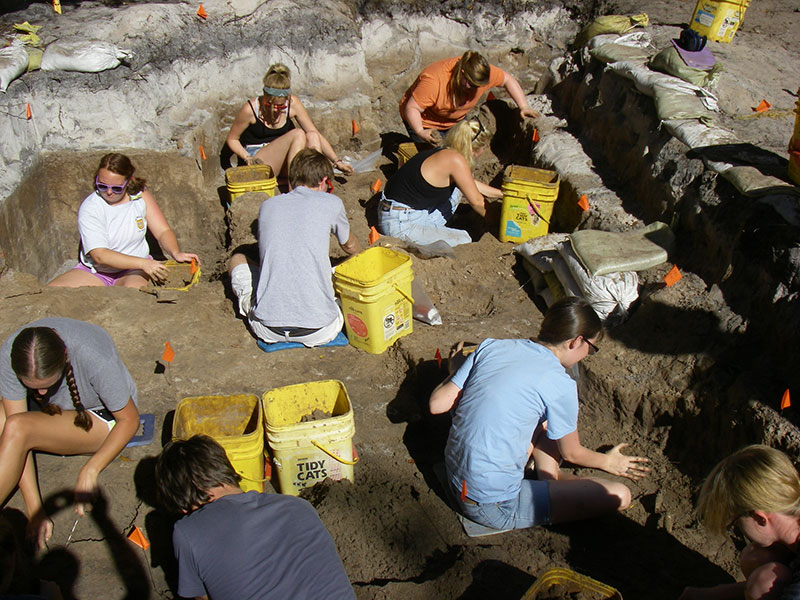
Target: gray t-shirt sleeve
column 10, row 387
column 341, row 226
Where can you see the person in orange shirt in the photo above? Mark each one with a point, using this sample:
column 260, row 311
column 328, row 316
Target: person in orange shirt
column 445, row 91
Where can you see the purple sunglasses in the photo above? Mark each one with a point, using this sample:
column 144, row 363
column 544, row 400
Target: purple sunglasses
column 115, row 189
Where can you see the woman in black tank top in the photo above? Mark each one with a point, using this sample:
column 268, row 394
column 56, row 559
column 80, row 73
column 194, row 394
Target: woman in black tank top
column 423, row 195
column 269, row 121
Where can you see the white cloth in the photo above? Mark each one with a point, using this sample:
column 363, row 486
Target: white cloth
column 118, row 227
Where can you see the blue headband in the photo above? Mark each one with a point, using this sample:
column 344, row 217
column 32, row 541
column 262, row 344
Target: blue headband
column 268, row 91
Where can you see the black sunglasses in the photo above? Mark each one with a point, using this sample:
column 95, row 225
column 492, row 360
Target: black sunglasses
column 592, row 348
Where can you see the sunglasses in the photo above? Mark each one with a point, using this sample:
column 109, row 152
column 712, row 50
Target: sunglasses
column 592, row 348
column 115, row 189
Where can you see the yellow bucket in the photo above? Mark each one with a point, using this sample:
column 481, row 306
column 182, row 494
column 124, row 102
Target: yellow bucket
column 375, row 289
column 252, row 178
column 718, row 20
column 405, row 152
column 236, row 422
column 528, row 198
column 305, row 453
column 181, row 276
column 794, row 146
column 569, row 581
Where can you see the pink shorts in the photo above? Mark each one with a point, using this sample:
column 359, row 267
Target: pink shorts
column 108, row 279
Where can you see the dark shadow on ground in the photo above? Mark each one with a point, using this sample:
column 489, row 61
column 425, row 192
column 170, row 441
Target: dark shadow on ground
column 497, row 580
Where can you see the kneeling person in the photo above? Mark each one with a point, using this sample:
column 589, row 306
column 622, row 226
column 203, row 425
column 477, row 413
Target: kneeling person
column 289, row 296
column 239, row 545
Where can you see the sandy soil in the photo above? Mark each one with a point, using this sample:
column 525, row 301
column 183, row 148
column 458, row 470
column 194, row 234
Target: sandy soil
column 394, row 531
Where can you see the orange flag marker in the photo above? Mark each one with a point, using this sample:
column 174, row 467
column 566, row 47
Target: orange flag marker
column 201, row 12
column 786, row 401
column 535, row 136
column 356, row 128
column 373, row 235
column 763, row 106
column 583, row 202
column 137, row 537
column 673, row 277
column 169, row 353
column 193, row 267
column 268, row 469
column 202, row 152
column 57, row 6
column 463, row 489
column 28, row 113
column 376, row 187
column 490, row 96
column 438, row 357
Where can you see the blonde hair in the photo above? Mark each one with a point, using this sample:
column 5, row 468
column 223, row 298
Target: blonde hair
column 754, row 478
column 277, row 77
column 466, row 136
column 472, row 67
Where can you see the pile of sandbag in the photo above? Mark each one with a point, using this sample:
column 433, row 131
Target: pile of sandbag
column 600, row 266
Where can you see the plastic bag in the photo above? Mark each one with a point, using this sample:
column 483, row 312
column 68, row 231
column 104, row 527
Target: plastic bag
column 423, row 309
column 85, row 56
column 609, row 24
column 13, row 62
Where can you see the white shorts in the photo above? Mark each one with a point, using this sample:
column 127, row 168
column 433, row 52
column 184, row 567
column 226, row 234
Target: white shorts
column 242, row 281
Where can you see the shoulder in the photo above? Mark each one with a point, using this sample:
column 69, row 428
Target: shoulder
column 91, row 202
column 447, row 158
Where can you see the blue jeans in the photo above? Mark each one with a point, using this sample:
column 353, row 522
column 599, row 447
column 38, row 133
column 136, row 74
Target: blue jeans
column 421, row 226
column 529, row 509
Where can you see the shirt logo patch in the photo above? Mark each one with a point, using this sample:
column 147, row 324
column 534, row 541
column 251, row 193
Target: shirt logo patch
column 140, row 223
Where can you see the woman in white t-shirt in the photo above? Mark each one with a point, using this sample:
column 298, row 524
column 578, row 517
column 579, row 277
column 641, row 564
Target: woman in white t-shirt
column 113, row 222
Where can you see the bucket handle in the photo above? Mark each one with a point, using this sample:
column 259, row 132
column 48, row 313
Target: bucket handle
column 243, row 476
column 332, row 455
column 532, row 204
column 397, row 289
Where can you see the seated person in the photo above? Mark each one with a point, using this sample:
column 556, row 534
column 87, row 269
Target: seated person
column 113, row 222
column 757, row 490
column 233, row 544
column 87, row 405
column 289, row 297
column 424, row 194
column 513, row 399
column 446, row 91
column 269, row 135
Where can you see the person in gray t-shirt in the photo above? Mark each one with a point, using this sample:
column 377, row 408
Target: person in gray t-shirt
column 289, row 296
column 235, row 545
column 87, row 402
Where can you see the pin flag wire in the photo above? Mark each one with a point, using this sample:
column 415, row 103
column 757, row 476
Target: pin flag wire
column 373, row 235
column 583, row 202
column 137, row 537
column 438, row 357
column 763, row 106
column 376, row 187
column 169, row 353
column 786, row 401
column 356, row 128
column 673, row 277
column 201, row 12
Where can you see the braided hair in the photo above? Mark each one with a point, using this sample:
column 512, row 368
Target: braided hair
column 40, row 353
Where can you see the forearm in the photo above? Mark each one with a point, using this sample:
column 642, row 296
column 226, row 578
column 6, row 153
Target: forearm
column 106, row 257
column 583, row 457
column 413, row 117
column 487, row 190
column 114, row 443
column 515, row 91
column 168, row 242
column 477, row 203
column 236, row 147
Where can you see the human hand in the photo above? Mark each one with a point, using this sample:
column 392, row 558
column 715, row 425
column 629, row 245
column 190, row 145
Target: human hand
column 344, row 167
column 155, row 270
column 39, row 530
column 186, row 257
column 431, row 136
column 626, row 466
column 529, row 112
column 253, row 160
column 85, row 489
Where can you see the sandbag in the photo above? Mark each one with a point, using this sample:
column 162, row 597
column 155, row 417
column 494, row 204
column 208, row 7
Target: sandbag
column 670, row 62
column 609, row 24
column 672, row 103
column 610, row 294
column 611, row 53
column 603, row 252
column 752, row 182
column 13, row 62
column 84, row 55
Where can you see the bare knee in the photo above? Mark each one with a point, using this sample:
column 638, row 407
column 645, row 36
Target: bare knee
column 767, row 580
column 622, row 493
column 16, row 432
column 298, row 136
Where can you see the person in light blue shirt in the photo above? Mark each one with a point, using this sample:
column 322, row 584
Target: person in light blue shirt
column 513, row 400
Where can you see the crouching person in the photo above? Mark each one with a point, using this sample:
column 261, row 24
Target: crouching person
column 238, row 545
column 289, row 297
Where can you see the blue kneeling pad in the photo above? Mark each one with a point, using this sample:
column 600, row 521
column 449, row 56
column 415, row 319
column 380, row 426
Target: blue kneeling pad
column 148, row 423
column 339, row 340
